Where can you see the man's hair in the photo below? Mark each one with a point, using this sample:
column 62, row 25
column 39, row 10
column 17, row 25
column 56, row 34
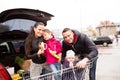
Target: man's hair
column 66, row 29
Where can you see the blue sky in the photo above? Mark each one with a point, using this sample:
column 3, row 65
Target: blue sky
column 78, row 14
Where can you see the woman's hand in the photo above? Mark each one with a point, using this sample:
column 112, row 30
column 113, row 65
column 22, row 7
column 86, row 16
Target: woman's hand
column 40, row 51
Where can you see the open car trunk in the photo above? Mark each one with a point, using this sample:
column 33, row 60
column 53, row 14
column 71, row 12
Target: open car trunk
column 23, row 13
column 14, row 28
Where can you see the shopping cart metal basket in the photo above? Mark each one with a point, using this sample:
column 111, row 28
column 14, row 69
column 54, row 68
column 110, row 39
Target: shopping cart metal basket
column 68, row 73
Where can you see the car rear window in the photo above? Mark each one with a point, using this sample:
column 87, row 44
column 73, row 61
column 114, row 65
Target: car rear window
column 100, row 38
column 18, row 46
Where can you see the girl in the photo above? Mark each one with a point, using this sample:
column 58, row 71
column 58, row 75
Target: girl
column 71, row 72
column 52, row 52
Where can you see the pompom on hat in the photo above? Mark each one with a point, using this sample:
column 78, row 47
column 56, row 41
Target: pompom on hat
column 70, row 54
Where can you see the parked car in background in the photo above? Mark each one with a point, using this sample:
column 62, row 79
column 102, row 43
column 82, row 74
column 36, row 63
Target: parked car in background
column 14, row 28
column 103, row 40
column 60, row 39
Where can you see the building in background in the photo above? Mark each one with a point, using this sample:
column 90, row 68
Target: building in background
column 106, row 28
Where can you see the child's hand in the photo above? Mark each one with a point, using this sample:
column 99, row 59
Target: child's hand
column 52, row 52
column 71, row 64
column 71, row 61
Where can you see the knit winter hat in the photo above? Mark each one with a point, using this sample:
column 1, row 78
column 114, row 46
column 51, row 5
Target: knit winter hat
column 70, row 54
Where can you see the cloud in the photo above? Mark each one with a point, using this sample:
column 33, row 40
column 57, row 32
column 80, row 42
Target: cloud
column 73, row 13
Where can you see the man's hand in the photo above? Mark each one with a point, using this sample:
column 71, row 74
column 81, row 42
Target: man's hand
column 82, row 63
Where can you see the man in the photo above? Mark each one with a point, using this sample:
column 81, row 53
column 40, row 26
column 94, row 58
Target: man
column 83, row 47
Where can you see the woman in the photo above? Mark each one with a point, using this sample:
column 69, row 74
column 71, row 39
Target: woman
column 32, row 49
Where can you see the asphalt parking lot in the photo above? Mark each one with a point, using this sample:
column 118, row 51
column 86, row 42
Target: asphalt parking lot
column 108, row 65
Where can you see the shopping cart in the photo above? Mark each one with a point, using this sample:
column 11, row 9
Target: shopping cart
column 68, row 73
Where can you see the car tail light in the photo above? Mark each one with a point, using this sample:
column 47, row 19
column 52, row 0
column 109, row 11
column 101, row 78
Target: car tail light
column 4, row 75
column 111, row 40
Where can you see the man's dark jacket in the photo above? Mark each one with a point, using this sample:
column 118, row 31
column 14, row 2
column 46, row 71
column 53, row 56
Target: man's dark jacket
column 82, row 45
